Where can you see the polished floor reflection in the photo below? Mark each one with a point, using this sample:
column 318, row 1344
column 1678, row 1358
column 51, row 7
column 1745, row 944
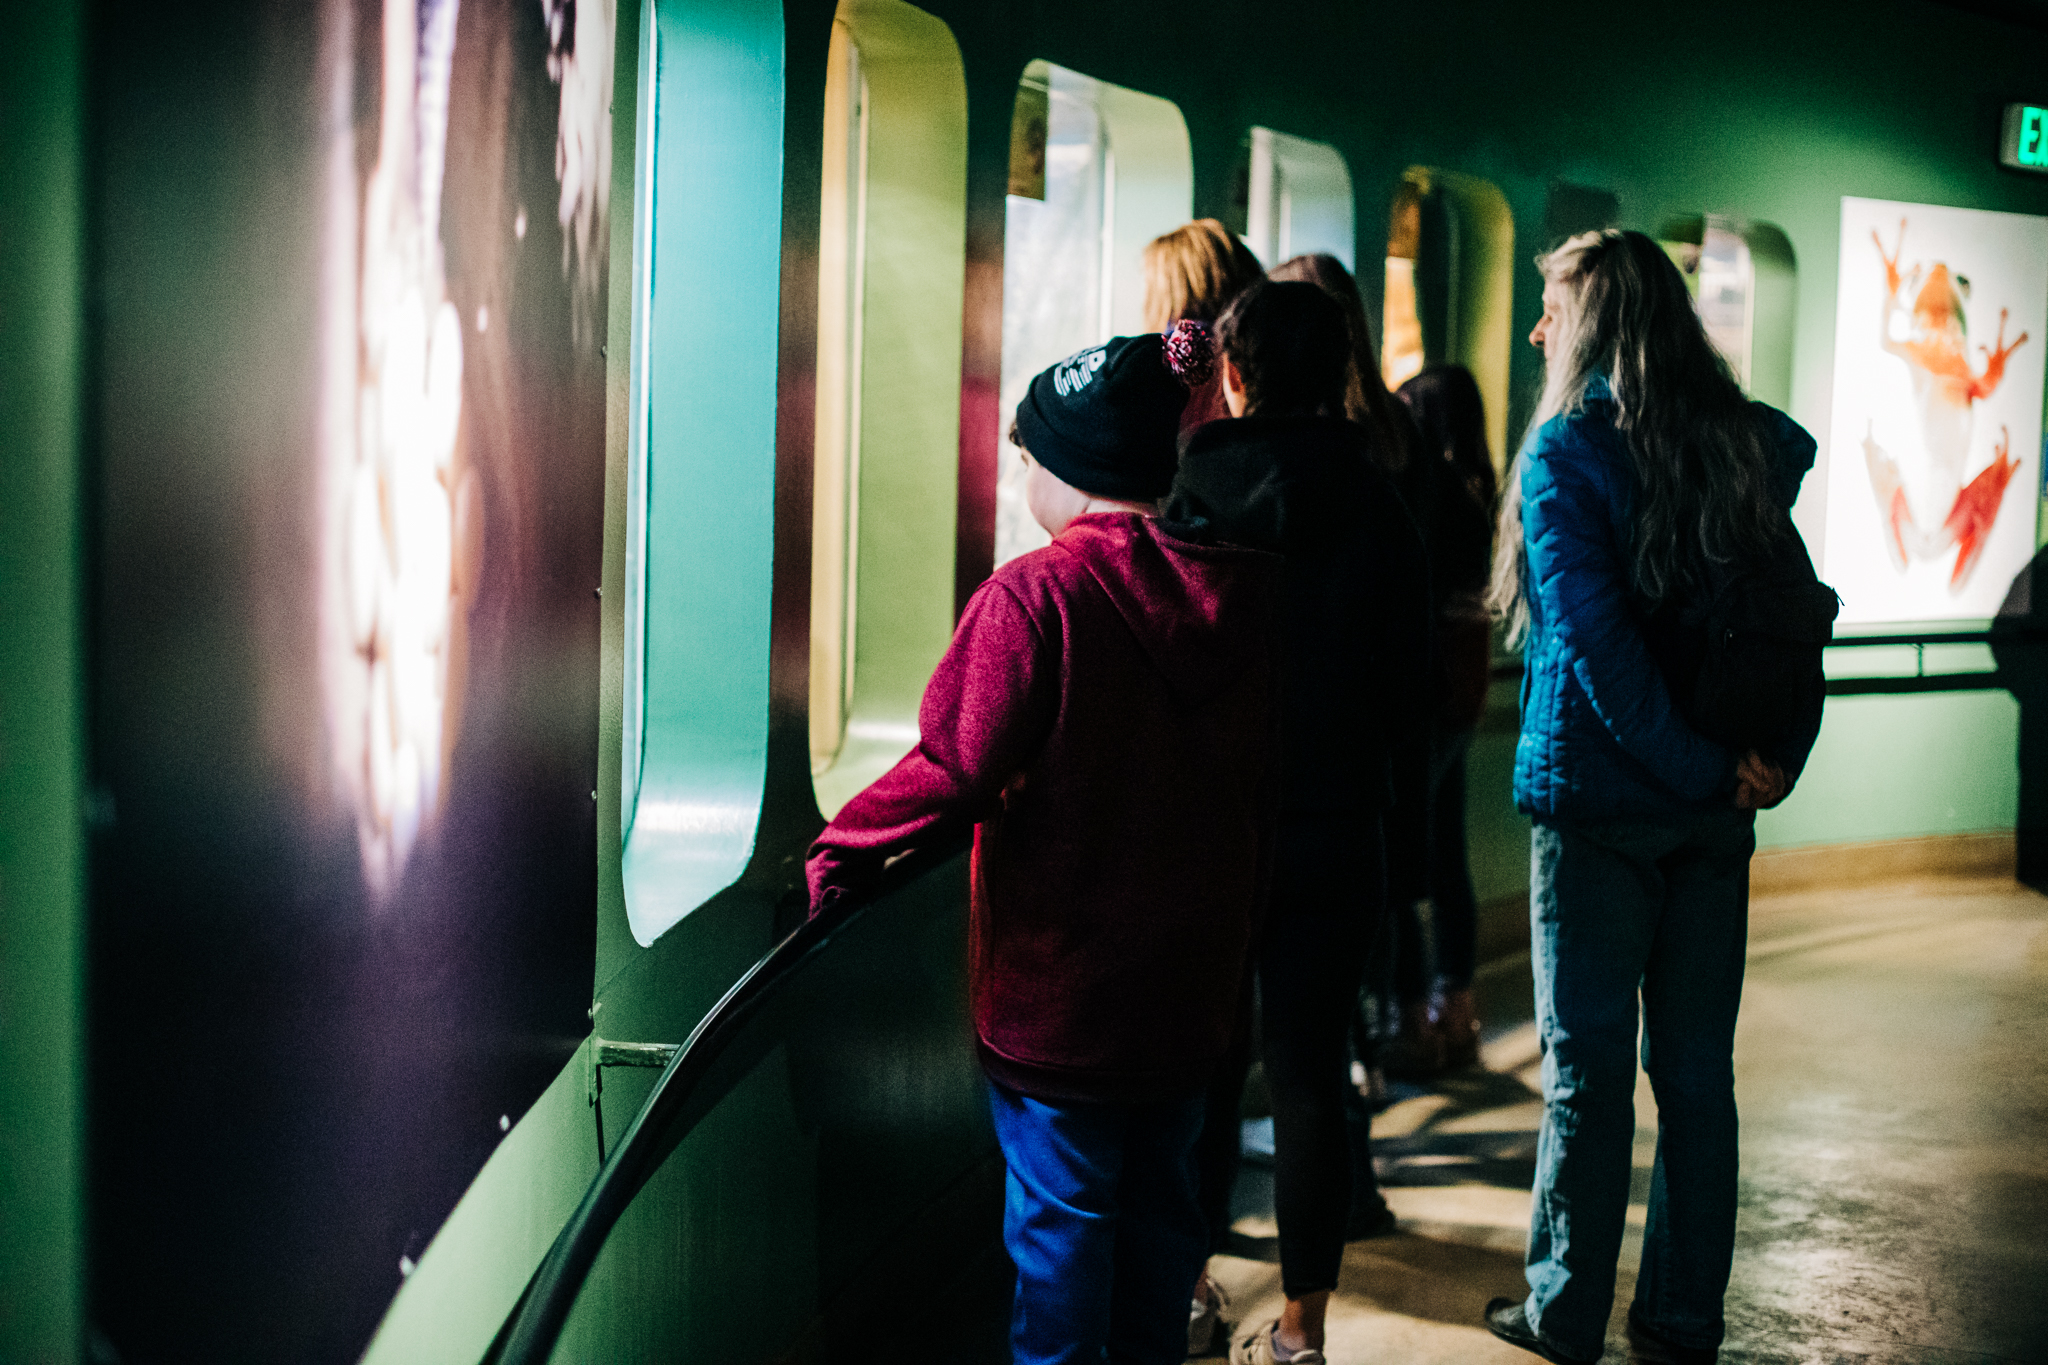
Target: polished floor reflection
column 1892, row 1070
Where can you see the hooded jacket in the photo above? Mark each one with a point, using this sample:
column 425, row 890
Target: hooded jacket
column 1103, row 719
column 1358, row 700
column 1601, row 737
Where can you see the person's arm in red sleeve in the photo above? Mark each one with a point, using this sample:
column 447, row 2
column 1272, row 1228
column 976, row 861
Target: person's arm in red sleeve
column 986, row 713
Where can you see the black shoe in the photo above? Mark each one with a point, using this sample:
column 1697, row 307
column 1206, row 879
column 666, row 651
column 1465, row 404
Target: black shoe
column 1509, row 1320
column 1651, row 1347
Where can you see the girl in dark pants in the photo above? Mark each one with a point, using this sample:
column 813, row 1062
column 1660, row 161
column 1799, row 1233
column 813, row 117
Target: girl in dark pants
column 1310, row 963
column 1288, row 473
column 1432, row 921
column 1433, row 910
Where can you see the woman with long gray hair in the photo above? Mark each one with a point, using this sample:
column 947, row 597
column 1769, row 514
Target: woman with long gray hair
column 1644, row 469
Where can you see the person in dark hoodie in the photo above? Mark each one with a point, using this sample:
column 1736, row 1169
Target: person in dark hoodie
column 1103, row 720
column 1287, row 473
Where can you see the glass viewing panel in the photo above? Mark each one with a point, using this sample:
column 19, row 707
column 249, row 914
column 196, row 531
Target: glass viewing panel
column 1116, row 172
column 1450, row 266
column 707, row 233
column 1743, row 279
column 1055, row 254
column 1299, row 200
column 835, row 493
column 1401, row 352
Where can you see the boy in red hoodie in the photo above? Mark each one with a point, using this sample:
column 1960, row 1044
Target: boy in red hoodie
column 1103, row 720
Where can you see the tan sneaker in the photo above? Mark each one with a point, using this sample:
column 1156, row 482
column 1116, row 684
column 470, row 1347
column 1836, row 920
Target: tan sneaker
column 1256, row 1348
column 1209, row 1323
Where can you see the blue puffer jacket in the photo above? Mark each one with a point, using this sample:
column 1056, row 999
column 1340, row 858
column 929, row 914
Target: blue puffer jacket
column 1601, row 739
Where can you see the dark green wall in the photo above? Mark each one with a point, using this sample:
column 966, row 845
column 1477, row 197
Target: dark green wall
column 42, row 756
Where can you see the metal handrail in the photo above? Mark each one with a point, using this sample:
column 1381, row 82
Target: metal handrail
column 1923, row 638
column 666, row 1118
column 2003, row 634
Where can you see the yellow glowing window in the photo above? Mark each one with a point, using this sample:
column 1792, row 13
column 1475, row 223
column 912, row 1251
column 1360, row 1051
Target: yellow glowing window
column 891, row 276
column 1450, row 286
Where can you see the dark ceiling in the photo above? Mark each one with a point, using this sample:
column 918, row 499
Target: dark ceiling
column 2032, row 13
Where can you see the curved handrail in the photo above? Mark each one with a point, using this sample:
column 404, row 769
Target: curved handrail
column 535, row 1324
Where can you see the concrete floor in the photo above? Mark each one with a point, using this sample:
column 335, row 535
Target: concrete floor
column 1892, row 1072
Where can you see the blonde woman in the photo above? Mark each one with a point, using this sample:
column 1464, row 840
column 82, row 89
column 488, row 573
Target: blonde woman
column 1644, row 466
column 1192, row 273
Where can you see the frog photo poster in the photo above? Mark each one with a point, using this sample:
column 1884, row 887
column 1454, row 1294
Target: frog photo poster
column 1941, row 328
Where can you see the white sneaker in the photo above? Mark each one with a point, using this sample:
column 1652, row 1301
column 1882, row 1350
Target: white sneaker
column 1256, row 1348
column 1208, row 1325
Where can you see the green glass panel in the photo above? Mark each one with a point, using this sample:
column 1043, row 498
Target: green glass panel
column 707, row 293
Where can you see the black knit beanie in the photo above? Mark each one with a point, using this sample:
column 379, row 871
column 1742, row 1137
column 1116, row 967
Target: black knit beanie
column 1105, row 420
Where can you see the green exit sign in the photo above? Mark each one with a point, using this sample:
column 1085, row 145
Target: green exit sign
column 2026, row 137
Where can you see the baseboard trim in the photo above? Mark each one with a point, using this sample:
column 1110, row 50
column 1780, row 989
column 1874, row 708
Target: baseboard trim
column 1504, row 920
column 1811, row 866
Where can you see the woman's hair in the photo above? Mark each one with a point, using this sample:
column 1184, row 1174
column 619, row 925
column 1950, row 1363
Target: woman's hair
column 1366, row 400
column 1194, row 272
column 1444, row 401
column 1700, row 457
column 1291, row 348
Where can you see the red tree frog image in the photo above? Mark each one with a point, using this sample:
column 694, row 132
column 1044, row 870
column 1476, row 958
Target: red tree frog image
column 1926, row 506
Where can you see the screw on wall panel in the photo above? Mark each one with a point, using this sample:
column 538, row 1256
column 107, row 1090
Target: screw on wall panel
column 597, row 592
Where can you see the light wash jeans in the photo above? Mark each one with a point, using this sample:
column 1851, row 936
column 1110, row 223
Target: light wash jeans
column 1617, row 910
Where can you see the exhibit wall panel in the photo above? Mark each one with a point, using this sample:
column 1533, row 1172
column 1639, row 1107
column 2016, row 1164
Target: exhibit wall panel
column 43, row 793
column 351, row 271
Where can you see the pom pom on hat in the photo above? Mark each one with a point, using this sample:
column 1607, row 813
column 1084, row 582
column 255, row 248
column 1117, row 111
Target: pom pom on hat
column 1191, row 352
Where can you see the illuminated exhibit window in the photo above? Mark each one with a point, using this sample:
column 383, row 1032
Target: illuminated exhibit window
column 891, row 274
column 1450, row 286
column 700, row 482
column 1096, row 172
column 1298, row 200
column 1744, row 281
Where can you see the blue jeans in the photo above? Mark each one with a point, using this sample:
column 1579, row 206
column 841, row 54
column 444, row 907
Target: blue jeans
column 1103, row 1224
column 1617, row 910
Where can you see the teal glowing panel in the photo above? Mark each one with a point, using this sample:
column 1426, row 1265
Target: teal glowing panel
column 707, row 258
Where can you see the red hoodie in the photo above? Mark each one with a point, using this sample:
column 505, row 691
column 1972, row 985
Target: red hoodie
column 1104, row 719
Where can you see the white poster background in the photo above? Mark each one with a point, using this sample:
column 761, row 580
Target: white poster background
column 2004, row 256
